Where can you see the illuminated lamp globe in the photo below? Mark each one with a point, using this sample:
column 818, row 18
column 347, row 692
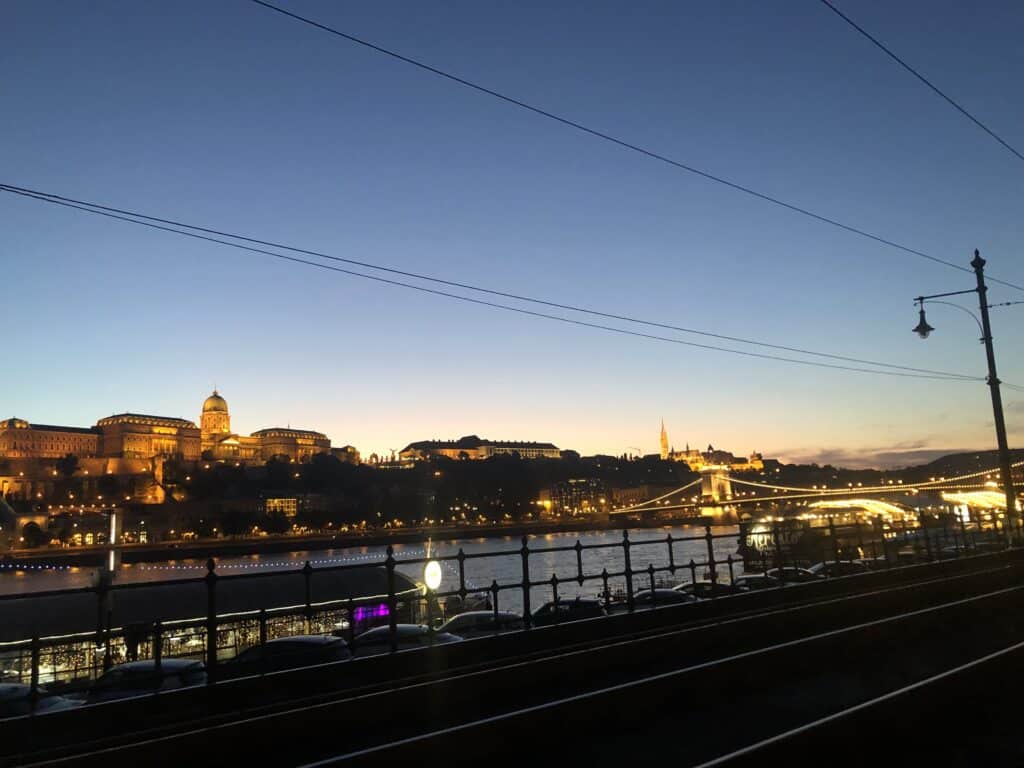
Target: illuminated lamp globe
column 432, row 575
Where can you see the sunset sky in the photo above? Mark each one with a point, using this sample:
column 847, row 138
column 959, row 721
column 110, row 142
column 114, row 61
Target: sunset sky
column 232, row 117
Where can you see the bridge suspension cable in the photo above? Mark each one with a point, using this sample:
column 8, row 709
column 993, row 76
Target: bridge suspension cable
column 876, row 488
column 637, row 507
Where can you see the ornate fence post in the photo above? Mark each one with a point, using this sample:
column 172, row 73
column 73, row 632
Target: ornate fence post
column 158, row 645
column 34, row 680
column 554, row 596
column 524, row 552
column 927, row 538
column 963, row 532
column 607, row 594
column 389, row 564
column 462, row 575
column 579, row 562
column 778, row 547
column 211, row 620
column 628, row 571
column 307, row 575
column 712, row 565
column 102, row 603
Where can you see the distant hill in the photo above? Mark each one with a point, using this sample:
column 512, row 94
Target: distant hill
column 964, row 463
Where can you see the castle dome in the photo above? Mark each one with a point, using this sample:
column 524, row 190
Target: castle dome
column 215, row 404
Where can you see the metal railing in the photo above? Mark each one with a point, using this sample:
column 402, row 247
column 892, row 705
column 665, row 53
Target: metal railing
column 75, row 660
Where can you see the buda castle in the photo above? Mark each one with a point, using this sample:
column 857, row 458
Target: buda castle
column 133, row 437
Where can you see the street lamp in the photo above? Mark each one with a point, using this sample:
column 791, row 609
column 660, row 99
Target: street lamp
column 923, row 330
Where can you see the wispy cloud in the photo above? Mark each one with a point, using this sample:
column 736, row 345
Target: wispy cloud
column 902, row 454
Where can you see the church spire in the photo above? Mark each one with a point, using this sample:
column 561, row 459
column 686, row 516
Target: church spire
column 664, row 441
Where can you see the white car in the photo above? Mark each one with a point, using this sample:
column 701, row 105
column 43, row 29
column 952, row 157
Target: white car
column 376, row 641
column 481, row 623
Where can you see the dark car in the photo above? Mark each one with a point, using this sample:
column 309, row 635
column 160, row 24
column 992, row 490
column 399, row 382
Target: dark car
column 287, row 653
column 408, row 636
column 705, row 590
column 751, row 581
column 567, row 609
column 481, row 623
column 833, row 568
column 16, row 700
column 645, row 598
column 792, row 575
column 139, row 678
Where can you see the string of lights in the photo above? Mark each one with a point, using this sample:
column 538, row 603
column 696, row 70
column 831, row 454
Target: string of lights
column 659, row 498
column 192, row 231
column 620, row 142
column 811, row 492
column 863, row 489
column 888, row 52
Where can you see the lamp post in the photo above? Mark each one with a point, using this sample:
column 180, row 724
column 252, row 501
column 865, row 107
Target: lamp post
column 923, row 330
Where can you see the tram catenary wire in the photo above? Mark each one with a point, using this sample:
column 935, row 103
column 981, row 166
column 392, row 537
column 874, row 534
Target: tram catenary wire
column 617, row 141
column 183, row 229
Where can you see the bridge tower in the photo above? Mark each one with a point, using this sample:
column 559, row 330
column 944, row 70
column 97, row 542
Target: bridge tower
column 715, row 484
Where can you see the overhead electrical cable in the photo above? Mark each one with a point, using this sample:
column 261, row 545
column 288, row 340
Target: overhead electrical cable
column 881, row 46
column 481, row 302
column 136, row 217
column 620, row 142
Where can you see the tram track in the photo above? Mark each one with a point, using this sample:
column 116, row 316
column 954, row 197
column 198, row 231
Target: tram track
column 436, row 700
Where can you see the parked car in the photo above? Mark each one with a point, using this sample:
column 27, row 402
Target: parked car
column 792, row 575
column 481, row 623
column 833, row 568
column 138, row 678
column 645, row 598
column 567, row 609
column 751, row 581
column 705, row 590
column 16, row 700
column 286, row 653
column 376, row 641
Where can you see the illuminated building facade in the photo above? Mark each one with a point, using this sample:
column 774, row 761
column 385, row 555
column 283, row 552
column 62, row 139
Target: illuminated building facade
column 697, row 459
column 136, row 436
column 586, row 495
column 221, row 444
column 474, row 448
column 21, row 440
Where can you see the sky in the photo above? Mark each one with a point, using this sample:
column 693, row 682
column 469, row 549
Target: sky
column 233, row 117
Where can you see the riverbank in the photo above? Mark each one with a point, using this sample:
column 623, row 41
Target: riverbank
column 224, row 547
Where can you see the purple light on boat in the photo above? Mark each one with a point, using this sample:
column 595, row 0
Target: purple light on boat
column 364, row 612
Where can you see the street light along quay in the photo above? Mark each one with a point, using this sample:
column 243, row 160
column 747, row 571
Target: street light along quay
column 924, row 330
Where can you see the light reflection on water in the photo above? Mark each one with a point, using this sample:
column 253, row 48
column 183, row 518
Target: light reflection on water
column 648, row 546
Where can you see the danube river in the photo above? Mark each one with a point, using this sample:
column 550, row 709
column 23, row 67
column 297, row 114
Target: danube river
column 648, row 547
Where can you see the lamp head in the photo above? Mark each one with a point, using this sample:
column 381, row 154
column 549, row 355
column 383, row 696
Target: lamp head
column 923, row 329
